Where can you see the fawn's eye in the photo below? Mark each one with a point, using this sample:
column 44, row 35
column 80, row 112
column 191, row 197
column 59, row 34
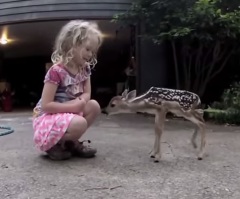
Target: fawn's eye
column 112, row 105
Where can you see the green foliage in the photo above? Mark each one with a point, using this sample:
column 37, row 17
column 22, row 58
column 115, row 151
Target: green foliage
column 230, row 116
column 230, row 98
column 206, row 32
column 227, row 110
column 169, row 20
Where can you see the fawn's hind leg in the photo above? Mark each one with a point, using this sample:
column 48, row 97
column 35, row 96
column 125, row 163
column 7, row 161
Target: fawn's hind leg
column 201, row 127
column 194, row 136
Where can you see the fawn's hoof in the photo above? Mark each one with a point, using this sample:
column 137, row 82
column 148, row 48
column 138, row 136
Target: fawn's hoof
column 194, row 146
column 156, row 161
column 152, row 156
column 199, row 158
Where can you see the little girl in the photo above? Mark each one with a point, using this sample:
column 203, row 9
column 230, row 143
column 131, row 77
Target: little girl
column 65, row 109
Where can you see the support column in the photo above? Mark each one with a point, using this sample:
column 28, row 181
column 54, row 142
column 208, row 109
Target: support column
column 151, row 64
column 1, row 65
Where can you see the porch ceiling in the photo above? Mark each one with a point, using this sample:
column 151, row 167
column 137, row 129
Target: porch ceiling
column 37, row 38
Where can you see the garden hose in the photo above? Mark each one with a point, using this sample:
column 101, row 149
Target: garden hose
column 6, row 130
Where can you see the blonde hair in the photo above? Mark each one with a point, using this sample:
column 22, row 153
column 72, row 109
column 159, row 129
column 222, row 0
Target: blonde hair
column 73, row 34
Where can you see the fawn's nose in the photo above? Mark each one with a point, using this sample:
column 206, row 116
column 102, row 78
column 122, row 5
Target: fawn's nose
column 104, row 111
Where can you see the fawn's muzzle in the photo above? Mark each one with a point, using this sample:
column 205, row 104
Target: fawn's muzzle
column 104, row 111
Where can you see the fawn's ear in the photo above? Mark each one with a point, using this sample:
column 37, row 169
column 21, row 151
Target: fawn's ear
column 132, row 94
column 124, row 94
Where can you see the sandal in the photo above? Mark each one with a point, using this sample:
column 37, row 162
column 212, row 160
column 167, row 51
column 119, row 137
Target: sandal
column 58, row 153
column 80, row 150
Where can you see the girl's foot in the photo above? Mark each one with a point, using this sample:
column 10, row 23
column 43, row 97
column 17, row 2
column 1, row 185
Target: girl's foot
column 80, row 150
column 58, row 153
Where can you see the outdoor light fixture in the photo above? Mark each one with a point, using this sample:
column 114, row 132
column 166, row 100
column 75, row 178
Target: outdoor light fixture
column 3, row 41
column 4, row 36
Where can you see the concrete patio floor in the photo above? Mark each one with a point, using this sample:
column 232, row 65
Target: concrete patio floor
column 122, row 167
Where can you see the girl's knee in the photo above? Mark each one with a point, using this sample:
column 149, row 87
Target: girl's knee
column 78, row 125
column 94, row 106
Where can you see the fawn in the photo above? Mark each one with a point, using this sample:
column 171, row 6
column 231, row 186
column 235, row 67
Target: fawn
column 160, row 101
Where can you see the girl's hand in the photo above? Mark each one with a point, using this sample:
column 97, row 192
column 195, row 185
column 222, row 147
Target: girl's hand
column 78, row 105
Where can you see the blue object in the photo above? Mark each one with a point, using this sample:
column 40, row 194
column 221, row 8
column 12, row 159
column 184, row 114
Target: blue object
column 7, row 130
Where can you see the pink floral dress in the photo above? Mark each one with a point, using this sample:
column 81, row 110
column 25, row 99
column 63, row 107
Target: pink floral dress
column 50, row 128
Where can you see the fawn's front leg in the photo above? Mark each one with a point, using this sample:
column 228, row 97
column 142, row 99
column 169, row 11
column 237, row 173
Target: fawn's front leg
column 154, row 150
column 159, row 125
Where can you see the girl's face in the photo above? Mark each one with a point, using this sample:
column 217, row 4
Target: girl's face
column 85, row 52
